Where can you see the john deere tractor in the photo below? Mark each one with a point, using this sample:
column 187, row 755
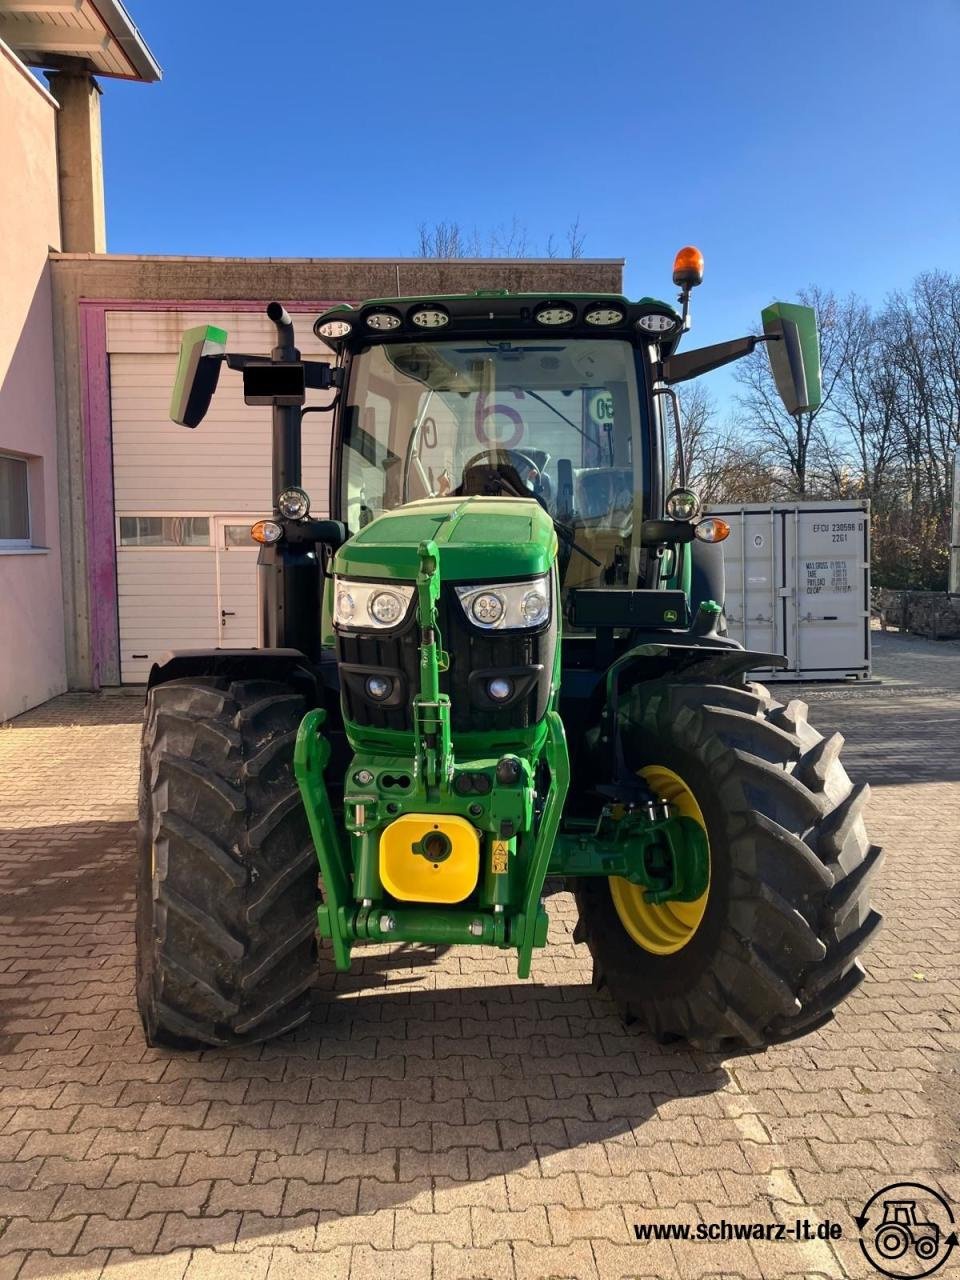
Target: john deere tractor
column 502, row 659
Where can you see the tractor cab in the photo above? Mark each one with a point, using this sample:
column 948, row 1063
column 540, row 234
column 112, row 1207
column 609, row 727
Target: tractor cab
column 559, row 418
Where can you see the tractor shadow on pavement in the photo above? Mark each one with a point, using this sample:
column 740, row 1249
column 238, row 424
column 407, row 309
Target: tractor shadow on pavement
column 423, row 1079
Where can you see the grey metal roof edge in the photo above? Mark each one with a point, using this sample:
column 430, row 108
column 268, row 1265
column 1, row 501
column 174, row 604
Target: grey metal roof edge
column 124, row 30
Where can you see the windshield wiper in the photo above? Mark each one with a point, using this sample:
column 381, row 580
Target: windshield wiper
column 565, row 533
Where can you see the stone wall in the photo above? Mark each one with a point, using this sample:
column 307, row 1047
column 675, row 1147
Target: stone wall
column 933, row 614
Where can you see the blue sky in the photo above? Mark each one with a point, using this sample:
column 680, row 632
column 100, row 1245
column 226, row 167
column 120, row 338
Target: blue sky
column 794, row 143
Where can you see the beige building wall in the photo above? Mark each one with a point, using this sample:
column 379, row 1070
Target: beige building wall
column 32, row 665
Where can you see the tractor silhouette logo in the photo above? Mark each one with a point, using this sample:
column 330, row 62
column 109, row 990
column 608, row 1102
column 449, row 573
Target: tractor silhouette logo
column 907, row 1231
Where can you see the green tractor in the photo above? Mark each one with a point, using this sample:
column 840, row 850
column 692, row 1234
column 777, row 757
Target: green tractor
column 502, row 659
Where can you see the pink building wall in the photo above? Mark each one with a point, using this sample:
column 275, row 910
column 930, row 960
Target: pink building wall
column 32, row 666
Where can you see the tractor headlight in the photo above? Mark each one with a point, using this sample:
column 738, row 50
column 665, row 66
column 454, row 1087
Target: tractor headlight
column 294, row 504
column 357, row 605
column 386, row 608
column 487, row 608
column 682, row 504
column 505, row 606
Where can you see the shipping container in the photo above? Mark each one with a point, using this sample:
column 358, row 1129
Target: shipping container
column 798, row 583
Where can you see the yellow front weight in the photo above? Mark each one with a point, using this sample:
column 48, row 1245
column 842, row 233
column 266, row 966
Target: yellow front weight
column 429, row 857
column 664, row 928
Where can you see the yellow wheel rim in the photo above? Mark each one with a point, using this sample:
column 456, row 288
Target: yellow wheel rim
column 665, row 928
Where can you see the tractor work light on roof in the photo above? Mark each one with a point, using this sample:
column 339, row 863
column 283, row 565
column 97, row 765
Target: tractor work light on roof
column 333, row 329
column 555, row 313
column 656, row 322
column 604, row 315
column 429, row 318
column 382, row 320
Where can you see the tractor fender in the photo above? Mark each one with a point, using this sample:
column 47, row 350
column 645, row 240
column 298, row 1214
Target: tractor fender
column 288, row 666
column 704, row 663
column 697, row 660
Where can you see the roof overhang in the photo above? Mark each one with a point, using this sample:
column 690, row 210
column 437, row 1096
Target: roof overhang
column 97, row 36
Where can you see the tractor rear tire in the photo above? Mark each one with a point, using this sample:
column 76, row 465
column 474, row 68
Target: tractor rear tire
column 786, row 914
column 227, row 875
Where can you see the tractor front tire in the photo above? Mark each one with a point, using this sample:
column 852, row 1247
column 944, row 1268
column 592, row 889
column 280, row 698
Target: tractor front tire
column 227, row 875
column 773, row 946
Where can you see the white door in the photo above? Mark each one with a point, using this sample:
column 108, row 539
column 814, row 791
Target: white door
column 236, row 582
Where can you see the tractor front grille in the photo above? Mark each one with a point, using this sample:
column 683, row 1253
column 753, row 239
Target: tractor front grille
column 476, row 656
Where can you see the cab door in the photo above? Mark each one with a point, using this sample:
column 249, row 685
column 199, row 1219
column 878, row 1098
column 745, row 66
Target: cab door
column 236, row 582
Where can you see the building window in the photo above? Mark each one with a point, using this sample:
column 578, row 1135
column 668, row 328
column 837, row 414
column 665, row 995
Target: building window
column 164, row 531
column 14, row 502
column 237, row 535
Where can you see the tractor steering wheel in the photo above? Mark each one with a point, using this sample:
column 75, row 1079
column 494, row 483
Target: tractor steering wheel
column 518, row 471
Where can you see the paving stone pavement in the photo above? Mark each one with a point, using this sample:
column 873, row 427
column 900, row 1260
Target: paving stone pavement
column 437, row 1117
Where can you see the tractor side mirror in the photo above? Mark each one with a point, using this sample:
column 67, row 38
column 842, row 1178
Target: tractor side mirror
column 198, row 370
column 793, row 346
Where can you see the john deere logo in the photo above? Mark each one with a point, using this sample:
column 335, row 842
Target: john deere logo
column 670, row 615
column 907, row 1231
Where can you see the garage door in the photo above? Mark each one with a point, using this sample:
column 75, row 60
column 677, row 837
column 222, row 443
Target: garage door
column 186, row 575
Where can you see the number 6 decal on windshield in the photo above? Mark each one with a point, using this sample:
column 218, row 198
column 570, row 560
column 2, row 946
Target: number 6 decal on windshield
column 495, row 410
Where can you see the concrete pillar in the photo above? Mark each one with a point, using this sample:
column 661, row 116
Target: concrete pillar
column 79, row 161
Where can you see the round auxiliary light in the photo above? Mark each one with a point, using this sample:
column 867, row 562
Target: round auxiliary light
column 500, row 688
column 430, row 318
column 333, row 328
column 385, row 607
column 604, row 315
column 656, row 322
column 294, row 503
column 378, row 687
column 712, row 530
column 346, row 606
column 682, row 504
column 382, row 320
column 534, row 607
column 487, row 608
column 557, row 313
column 266, row 531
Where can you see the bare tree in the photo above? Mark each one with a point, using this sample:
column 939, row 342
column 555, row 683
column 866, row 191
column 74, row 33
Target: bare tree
column 447, row 240
column 575, row 238
column 506, row 240
column 722, row 464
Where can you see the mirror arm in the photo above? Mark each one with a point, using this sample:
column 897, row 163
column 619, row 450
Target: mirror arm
column 690, row 364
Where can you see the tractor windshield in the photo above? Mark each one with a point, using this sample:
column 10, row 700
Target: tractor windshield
column 558, row 419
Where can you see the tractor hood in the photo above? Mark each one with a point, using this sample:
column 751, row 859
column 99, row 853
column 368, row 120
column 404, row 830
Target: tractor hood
column 480, row 540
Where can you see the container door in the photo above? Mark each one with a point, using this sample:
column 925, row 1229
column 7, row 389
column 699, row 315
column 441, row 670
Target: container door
column 236, row 582
column 751, row 558
column 828, row 610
